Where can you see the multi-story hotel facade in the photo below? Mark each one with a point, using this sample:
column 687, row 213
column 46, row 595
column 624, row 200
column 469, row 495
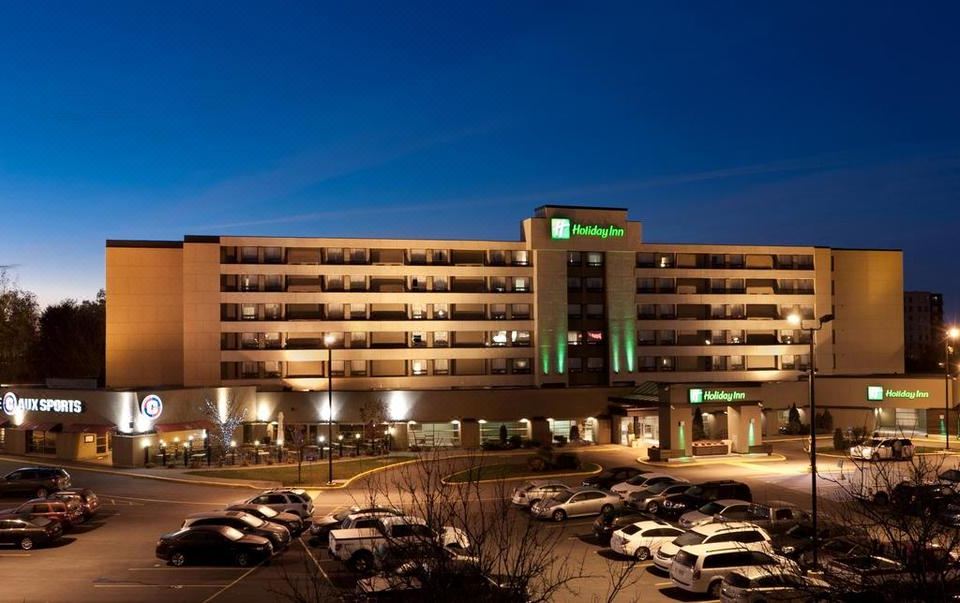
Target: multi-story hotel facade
column 579, row 322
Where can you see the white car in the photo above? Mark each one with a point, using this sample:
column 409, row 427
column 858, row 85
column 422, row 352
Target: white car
column 747, row 534
column 758, row 583
column 727, row 509
column 701, row 568
column 537, row 490
column 642, row 540
column 877, row 449
column 640, row 482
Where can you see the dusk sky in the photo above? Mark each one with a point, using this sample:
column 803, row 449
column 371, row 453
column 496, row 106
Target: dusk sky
column 825, row 123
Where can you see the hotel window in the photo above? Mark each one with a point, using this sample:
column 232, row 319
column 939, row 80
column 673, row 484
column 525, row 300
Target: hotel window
column 498, row 311
column 646, row 337
column 335, row 311
column 788, row 362
column 667, row 311
column 439, row 283
column 521, row 283
column 337, row 368
column 272, row 341
column 497, row 258
column 334, row 256
column 498, row 284
column 786, row 337
column 594, row 310
column 418, row 283
column 358, row 311
column 248, row 282
column 440, row 256
column 521, row 257
column 249, row 255
column 441, row 339
column 272, row 255
column 249, row 370
column 573, row 310
column 521, row 366
column 441, row 311
column 248, row 312
column 645, row 260
column 520, row 311
column 647, row 363
column 736, row 363
column 417, row 256
column 358, row 256
column 594, row 258
column 498, row 338
column 271, row 311
column 358, row 367
column 273, row 282
column 594, row 364
column 666, row 363
column 718, row 363
column 498, row 366
column 668, row 337
column 735, row 311
column 418, row 340
column 647, row 311
column 594, row 283
column 441, row 366
column 575, row 365
column 646, row 285
column 271, row 368
column 574, row 258
column 418, row 311
column 664, row 260
column 574, row 337
column 521, row 338
column 718, row 285
column 333, row 283
column 418, row 367
column 249, row 341
column 574, row 283
column 594, row 337
column 358, row 340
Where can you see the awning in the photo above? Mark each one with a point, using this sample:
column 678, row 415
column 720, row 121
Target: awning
column 88, row 428
column 190, row 426
column 55, row 427
column 645, row 394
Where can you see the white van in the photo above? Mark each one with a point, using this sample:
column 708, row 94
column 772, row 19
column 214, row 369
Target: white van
column 745, row 534
column 701, row 568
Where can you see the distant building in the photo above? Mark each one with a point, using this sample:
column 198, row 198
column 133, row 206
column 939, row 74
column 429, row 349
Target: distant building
column 923, row 331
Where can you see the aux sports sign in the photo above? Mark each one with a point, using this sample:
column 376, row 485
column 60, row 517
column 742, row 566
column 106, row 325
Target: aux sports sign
column 151, row 407
column 13, row 404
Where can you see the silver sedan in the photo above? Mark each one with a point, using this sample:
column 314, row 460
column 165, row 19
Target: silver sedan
column 576, row 503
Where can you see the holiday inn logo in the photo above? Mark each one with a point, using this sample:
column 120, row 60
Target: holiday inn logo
column 562, row 229
column 875, row 393
column 559, row 228
column 696, row 395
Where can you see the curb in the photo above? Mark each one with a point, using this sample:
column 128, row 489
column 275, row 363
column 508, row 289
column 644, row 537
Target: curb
column 772, row 458
column 445, row 480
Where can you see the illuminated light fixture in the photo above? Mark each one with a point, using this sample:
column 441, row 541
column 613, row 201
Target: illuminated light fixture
column 482, row 421
column 524, row 420
column 455, row 421
column 794, row 319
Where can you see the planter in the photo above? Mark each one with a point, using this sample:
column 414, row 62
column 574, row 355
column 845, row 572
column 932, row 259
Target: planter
column 710, row 448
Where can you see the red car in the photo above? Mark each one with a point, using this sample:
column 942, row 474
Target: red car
column 67, row 513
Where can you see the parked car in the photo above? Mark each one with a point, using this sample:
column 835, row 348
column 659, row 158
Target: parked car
column 612, row 476
column 88, row 501
column 620, row 517
column 877, row 449
column 775, row 517
column 295, row 501
column 650, row 499
column 701, row 568
column 357, row 546
column 643, row 539
column 320, row 528
column 288, row 520
column 725, row 509
column 67, row 513
column 536, row 490
column 758, row 584
column 360, row 521
column 34, row 481
column 795, row 540
column 749, row 535
column 278, row 535
column 831, row 548
column 576, row 503
column 640, row 482
column 409, row 581
column 698, row 495
column 864, row 572
column 213, row 544
column 29, row 533
column 950, row 476
column 921, row 499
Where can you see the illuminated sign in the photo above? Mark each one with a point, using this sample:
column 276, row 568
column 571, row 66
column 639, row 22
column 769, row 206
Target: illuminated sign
column 12, row 405
column 697, row 395
column 151, row 407
column 563, row 229
column 877, row 393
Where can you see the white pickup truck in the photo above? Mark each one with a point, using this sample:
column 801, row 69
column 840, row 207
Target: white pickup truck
column 357, row 547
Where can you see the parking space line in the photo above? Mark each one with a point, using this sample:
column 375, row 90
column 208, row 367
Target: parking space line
column 659, row 584
column 161, row 500
column 315, row 562
column 170, row 586
column 181, row 569
column 15, row 554
column 227, row 587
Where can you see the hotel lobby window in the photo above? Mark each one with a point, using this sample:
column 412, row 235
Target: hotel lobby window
column 248, row 312
column 358, row 367
column 441, row 311
column 441, row 366
column 594, row 258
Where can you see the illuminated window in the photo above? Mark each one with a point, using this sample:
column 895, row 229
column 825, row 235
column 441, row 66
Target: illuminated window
column 574, row 337
column 594, row 258
column 520, row 337
column 419, row 367
column 248, row 312
column 499, row 338
column 594, row 337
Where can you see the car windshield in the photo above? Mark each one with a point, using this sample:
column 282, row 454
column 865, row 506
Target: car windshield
column 630, row 529
column 800, row 531
column 231, row 533
column 253, row 522
column 694, row 491
column 306, row 497
column 266, row 511
column 561, row 496
column 872, row 443
column 711, row 508
column 688, row 538
column 636, row 480
column 758, row 512
column 658, row 488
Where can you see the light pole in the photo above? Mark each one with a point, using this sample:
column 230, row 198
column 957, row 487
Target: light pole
column 952, row 334
column 796, row 320
column 328, row 340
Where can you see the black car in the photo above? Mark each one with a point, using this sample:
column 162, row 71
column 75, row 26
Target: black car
column 608, row 523
column 34, row 481
column 85, row 497
column 29, row 533
column 698, row 495
column 797, row 539
column 278, row 535
column 921, row 499
column 321, row 527
column 213, row 544
column 612, row 476
column 288, row 520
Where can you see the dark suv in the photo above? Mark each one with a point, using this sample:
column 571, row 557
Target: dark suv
column 34, row 481
column 698, row 495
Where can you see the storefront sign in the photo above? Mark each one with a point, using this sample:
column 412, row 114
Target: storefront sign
column 151, row 407
column 563, row 229
column 699, row 396
column 12, row 405
column 877, row 393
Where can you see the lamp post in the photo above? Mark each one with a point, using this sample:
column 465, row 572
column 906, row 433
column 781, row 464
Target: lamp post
column 328, row 341
column 952, row 334
column 796, row 320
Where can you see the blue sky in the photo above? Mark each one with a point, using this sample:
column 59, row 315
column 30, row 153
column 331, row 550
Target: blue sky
column 812, row 123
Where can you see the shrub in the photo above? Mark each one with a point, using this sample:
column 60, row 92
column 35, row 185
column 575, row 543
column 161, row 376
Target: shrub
column 567, row 460
column 503, row 433
column 515, row 441
column 839, row 442
column 537, row 463
column 560, row 440
column 574, row 433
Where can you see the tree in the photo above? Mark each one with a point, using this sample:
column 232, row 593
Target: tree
column 794, row 426
column 503, row 433
column 72, row 339
column 574, row 433
column 298, row 441
column 19, row 319
column 373, row 415
column 226, row 417
column 699, row 433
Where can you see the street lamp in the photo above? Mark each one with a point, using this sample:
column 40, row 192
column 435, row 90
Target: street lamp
column 328, row 340
column 796, row 320
column 952, row 334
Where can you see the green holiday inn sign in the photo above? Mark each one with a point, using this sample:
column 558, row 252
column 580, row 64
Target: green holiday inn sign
column 698, row 395
column 878, row 393
column 564, row 228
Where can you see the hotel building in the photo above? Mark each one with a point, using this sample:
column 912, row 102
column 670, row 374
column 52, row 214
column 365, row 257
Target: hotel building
column 579, row 322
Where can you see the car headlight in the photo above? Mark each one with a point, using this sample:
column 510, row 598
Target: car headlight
column 788, row 549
